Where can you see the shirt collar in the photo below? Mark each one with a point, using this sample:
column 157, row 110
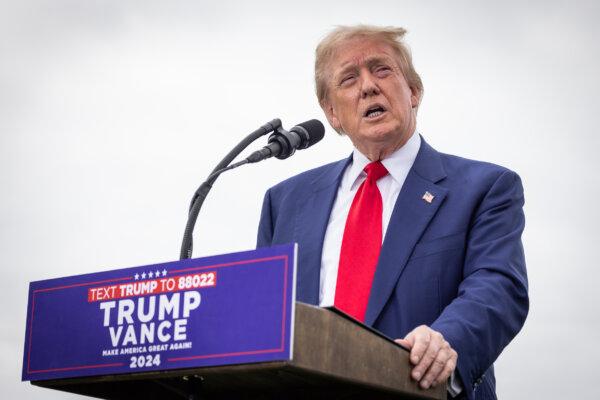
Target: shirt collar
column 398, row 163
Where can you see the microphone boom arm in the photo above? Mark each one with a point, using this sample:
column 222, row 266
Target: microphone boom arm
column 204, row 189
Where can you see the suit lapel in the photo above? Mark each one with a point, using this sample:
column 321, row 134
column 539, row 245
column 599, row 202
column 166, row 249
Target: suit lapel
column 411, row 215
column 313, row 217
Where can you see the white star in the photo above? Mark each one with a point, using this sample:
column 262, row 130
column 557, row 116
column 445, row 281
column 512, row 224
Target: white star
column 157, row 273
column 150, row 274
column 136, row 276
column 164, row 272
column 143, row 275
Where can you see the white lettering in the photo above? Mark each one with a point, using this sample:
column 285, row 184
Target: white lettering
column 129, row 336
column 179, row 331
column 147, row 333
column 126, row 308
column 145, row 317
column 164, row 337
column 166, row 306
column 109, row 305
column 114, row 336
column 191, row 301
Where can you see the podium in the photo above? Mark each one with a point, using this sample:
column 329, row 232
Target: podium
column 334, row 357
column 218, row 327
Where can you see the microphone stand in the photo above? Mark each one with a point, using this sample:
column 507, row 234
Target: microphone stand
column 206, row 186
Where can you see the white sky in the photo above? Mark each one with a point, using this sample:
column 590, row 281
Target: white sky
column 112, row 112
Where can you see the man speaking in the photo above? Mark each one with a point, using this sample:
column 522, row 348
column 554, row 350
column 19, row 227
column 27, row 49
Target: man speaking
column 423, row 246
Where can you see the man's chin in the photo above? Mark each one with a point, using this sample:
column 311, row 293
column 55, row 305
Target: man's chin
column 381, row 133
column 384, row 138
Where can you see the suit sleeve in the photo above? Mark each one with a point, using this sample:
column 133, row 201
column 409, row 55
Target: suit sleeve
column 492, row 301
column 265, row 226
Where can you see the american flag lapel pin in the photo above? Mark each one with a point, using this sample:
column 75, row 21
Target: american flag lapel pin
column 428, row 197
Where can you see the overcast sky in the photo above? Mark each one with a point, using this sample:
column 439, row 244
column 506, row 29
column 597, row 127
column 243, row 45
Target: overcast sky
column 112, row 112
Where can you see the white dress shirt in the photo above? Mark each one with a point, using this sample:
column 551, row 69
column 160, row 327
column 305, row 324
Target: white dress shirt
column 398, row 164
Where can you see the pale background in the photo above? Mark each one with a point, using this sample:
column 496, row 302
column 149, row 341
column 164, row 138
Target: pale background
column 112, row 112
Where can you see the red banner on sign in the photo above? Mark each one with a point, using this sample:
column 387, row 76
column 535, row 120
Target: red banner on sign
column 153, row 286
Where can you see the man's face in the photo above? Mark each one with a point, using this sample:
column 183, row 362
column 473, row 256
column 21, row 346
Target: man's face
column 368, row 97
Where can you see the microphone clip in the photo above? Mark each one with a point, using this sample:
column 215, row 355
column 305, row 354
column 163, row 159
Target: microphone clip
column 284, row 141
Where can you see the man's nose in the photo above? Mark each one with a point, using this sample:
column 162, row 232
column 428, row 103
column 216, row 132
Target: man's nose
column 368, row 86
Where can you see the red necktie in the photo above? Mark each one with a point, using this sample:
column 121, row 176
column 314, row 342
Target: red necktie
column 360, row 246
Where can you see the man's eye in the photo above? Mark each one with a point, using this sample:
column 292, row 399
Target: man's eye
column 382, row 70
column 347, row 80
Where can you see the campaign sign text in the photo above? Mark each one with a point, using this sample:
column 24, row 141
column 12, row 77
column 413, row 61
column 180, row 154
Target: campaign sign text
column 228, row 309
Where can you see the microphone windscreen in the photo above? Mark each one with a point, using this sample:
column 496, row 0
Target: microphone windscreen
column 315, row 130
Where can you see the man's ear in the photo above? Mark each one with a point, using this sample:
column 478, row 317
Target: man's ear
column 415, row 97
column 331, row 115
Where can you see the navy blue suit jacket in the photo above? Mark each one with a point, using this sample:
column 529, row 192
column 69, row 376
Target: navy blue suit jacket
column 455, row 264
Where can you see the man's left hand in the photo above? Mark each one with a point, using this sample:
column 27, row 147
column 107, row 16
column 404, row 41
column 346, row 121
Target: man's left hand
column 433, row 358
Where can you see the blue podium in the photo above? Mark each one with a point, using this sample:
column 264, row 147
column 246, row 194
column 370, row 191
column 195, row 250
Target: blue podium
column 222, row 327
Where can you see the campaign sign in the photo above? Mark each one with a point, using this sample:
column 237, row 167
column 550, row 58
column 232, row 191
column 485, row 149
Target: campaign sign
column 228, row 309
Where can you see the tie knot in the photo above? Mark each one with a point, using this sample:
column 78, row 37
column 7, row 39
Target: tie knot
column 375, row 171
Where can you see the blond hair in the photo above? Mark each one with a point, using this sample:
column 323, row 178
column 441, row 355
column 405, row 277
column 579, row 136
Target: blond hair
column 389, row 35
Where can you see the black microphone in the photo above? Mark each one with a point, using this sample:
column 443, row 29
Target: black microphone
column 282, row 144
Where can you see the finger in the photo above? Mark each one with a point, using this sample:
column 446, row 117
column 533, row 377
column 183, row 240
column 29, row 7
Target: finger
column 437, row 366
column 435, row 343
column 448, row 369
column 404, row 343
column 421, row 338
column 410, row 337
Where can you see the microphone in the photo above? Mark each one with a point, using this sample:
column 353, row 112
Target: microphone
column 282, row 144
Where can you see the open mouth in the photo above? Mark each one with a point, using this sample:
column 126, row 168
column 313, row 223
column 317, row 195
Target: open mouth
column 374, row 111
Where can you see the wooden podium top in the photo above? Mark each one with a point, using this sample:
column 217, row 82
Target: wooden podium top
column 334, row 358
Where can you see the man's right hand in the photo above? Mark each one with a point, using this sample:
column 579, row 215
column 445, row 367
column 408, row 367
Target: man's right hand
column 433, row 358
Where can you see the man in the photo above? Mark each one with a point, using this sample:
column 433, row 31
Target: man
column 423, row 246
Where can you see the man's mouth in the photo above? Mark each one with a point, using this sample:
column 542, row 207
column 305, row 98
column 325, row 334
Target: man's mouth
column 374, row 111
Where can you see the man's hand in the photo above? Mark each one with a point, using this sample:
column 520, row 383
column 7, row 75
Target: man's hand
column 433, row 358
